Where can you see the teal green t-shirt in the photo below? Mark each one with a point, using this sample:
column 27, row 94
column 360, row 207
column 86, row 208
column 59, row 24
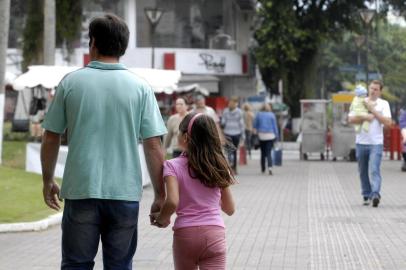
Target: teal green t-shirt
column 106, row 110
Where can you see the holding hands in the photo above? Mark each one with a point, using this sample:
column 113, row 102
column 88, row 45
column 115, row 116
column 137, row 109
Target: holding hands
column 157, row 220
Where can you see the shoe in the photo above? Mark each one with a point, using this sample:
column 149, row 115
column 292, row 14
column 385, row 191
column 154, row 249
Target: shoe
column 270, row 172
column 375, row 202
column 366, row 201
column 403, row 167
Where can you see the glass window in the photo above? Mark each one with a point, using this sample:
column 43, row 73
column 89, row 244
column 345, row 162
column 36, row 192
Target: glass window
column 93, row 8
column 184, row 24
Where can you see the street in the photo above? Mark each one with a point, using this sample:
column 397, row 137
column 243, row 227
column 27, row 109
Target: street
column 308, row 215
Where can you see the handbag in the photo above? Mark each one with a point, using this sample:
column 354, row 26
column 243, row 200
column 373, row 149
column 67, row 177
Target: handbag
column 38, row 103
column 255, row 141
column 20, row 125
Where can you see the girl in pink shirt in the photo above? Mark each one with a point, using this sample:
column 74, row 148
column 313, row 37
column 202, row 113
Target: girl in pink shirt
column 197, row 186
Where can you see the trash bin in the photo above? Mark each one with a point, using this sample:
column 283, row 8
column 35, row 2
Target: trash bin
column 343, row 133
column 313, row 127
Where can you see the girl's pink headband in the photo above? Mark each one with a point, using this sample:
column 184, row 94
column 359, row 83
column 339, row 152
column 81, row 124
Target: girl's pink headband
column 189, row 127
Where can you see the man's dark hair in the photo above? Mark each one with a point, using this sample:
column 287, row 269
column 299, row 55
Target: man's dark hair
column 110, row 34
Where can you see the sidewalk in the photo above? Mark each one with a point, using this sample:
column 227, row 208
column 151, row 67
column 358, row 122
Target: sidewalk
column 308, row 215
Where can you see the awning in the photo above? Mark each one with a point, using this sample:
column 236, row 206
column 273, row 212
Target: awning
column 162, row 81
column 211, row 83
column 9, row 77
column 46, row 76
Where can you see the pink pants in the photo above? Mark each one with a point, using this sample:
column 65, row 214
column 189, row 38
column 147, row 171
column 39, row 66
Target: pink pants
column 203, row 246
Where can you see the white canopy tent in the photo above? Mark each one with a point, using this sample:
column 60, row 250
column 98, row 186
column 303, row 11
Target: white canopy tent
column 49, row 77
column 9, row 77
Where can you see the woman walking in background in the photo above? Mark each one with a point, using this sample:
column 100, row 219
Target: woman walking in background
column 266, row 127
column 171, row 139
column 232, row 122
column 197, row 187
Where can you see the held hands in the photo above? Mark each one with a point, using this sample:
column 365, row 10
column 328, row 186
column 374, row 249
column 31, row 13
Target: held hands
column 156, row 220
column 50, row 192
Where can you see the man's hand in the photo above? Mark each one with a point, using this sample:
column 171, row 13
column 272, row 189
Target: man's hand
column 155, row 208
column 369, row 117
column 51, row 195
column 370, row 105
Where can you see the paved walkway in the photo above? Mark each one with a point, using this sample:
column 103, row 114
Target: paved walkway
column 308, row 215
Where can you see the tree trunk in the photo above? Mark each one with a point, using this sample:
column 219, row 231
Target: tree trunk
column 4, row 25
column 49, row 32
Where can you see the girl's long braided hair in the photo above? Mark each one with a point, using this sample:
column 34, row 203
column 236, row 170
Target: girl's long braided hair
column 206, row 160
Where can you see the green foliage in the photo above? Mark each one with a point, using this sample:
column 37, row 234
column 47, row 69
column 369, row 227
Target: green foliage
column 291, row 34
column 20, row 191
column 33, row 34
column 387, row 56
column 68, row 28
column 21, row 196
column 13, row 155
column 68, row 23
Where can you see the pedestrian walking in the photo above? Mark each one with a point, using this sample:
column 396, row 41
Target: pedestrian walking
column 369, row 143
column 232, row 123
column 171, row 139
column 197, row 184
column 201, row 107
column 106, row 110
column 266, row 127
column 248, row 121
column 402, row 126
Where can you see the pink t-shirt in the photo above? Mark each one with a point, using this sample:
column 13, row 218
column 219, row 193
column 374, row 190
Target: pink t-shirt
column 198, row 205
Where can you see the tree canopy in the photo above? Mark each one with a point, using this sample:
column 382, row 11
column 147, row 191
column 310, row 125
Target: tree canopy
column 291, row 35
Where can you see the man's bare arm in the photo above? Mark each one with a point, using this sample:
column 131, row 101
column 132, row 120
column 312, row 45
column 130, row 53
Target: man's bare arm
column 49, row 154
column 154, row 158
column 386, row 121
column 360, row 118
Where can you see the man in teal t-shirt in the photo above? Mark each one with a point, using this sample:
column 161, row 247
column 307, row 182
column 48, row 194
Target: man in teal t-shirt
column 106, row 110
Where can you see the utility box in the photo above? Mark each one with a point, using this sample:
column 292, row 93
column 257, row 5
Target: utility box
column 313, row 127
column 343, row 133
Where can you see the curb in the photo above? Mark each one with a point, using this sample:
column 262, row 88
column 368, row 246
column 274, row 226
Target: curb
column 32, row 226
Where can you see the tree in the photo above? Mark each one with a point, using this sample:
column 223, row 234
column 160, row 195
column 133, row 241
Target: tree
column 4, row 24
column 68, row 16
column 49, row 32
column 68, row 24
column 291, row 34
column 33, row 35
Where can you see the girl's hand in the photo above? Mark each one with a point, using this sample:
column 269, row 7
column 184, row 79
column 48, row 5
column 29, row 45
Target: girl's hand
column 162, row 223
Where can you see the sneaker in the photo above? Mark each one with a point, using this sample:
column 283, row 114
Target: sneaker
column 375, row 202
column 270, row 172
column 403, row 167
column 366, row 201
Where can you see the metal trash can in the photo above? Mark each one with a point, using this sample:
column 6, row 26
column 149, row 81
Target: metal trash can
column 313, row 127
column 343, row 133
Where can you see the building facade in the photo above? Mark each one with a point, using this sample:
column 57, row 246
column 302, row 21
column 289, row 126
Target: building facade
column 207, row 40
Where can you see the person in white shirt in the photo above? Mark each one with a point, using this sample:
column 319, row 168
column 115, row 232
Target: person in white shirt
column 171, row 139
column 369, row 144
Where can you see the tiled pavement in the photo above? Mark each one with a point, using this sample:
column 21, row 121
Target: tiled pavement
column 308, row 215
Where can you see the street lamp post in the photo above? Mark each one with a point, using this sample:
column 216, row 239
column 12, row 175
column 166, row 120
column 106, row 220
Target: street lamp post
column 153, row 15
column 367, row 15
column 359, row 40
